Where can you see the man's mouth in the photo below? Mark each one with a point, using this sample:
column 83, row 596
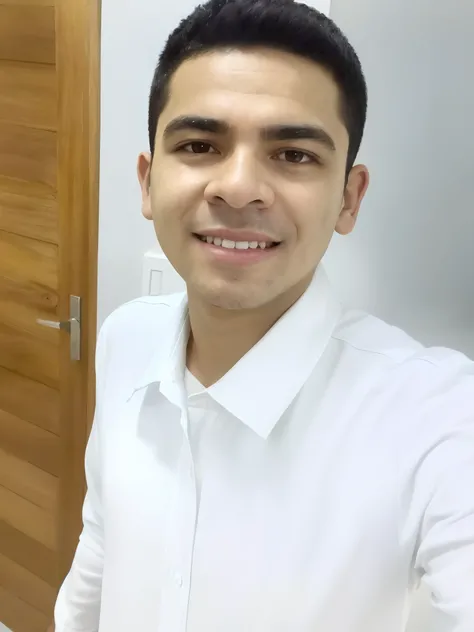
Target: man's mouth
column 237, row 245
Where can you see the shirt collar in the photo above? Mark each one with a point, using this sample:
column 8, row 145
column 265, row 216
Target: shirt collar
column 168, row 353
column 261, row 386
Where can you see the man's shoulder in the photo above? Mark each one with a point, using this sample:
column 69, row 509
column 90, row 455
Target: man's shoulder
column 142, row 316
column 373, row 336
column 411, row 374
column 430, row 390
column 137, row 329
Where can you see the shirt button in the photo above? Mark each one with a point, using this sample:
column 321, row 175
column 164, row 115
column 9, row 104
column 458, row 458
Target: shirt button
column 179, row 580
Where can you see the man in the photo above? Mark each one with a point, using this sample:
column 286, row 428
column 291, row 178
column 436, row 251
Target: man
column 262, row 459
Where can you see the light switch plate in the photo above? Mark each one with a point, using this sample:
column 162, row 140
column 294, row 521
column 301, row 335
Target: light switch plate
column 159, row 276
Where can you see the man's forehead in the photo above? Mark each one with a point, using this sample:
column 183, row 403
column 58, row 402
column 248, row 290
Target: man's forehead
column 255, row 72
column 222, row 85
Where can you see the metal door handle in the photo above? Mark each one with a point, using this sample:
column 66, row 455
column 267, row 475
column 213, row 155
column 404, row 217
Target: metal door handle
column 54, row 324
column 72, row 326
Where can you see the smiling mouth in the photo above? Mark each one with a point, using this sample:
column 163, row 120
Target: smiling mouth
column 228, row 244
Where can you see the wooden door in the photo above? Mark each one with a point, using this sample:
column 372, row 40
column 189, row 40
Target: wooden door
column 49, row 116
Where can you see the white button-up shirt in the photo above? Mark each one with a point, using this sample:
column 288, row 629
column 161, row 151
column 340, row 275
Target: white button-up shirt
column 335, row 464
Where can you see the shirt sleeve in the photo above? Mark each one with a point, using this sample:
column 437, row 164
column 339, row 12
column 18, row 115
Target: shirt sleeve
column 445, row 557
column 78, row 604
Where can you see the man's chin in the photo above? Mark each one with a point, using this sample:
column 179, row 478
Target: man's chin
column 230, row 295
column 236, row 305
column 234, row 301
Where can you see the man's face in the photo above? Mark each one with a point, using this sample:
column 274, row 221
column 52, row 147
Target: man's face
column 247, row 183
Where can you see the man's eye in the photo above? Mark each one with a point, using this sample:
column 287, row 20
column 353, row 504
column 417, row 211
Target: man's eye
column 198, row 148
column 294, row 156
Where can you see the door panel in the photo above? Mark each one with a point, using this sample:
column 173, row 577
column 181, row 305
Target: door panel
column 28, row 518
column 30, row 443
column 21, row 304
column 33, row 402
column 17, row 580
column 19, row 614
column 29, row 209
column 29, row 482
column 29, row 554
column 29, row 3
column 49, row 131
column 27, row 33
column 28, row 260
column 28, row 154
column 28, row 96
column 29, row 355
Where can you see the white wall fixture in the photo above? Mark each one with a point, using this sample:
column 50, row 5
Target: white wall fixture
column 159, row 276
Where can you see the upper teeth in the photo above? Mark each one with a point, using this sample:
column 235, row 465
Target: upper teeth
column 239, row 245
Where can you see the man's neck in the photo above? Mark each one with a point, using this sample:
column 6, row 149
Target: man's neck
column 219, row 338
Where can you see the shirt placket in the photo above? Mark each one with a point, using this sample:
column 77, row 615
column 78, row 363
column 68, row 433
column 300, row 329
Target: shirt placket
column 182, row 536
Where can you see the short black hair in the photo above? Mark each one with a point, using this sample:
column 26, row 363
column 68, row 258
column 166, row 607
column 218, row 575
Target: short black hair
column 283, row 25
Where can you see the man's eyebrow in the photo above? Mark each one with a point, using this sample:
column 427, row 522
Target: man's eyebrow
column 299, row 132
column 198, row 123
column 270, row 133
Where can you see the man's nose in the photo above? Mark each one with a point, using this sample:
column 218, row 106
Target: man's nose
column 240, row 182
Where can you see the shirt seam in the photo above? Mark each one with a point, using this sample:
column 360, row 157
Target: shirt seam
column 387, row 355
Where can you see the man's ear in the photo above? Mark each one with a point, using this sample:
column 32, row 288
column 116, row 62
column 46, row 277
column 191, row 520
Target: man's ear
column 144, row 171
column 354, row 193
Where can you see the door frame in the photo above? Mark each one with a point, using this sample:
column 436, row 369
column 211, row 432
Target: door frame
column 78, row 27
